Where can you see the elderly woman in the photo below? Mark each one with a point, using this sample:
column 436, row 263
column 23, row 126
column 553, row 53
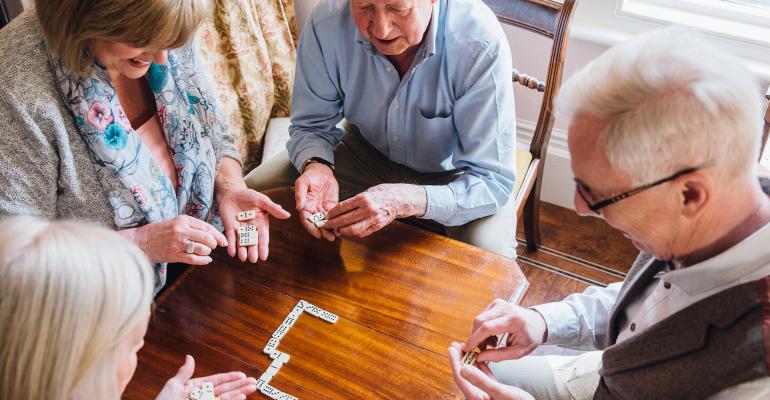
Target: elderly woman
column 102, row 122
column 74, row 310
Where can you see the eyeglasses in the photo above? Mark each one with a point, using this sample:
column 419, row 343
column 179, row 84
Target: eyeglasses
column 585, row 192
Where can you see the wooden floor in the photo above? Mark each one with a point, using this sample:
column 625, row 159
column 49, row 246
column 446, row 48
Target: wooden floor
column 577, row 252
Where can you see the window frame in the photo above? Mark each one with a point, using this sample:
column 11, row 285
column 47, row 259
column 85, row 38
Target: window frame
column 730, row 20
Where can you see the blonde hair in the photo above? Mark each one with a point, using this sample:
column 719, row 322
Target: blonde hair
column 670, row 100
column 71, row 293
column 151, row 24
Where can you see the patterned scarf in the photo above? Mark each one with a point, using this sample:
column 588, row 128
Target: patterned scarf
column 138, row 190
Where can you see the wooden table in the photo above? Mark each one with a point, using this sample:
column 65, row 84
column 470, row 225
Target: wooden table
column 402, row 295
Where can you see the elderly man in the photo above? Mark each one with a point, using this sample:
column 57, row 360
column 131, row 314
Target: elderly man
column 428, row 132
column 664, row 135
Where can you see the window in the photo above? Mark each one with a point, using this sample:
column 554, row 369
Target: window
column 747, row 20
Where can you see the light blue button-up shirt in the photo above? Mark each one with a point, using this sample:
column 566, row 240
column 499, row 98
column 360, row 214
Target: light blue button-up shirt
column 452, row 110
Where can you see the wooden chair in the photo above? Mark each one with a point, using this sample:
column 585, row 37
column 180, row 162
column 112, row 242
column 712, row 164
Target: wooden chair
column 767, row 125
column 551, row 19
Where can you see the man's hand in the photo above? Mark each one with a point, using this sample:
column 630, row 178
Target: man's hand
column 478, row 383
column 374, row 209
column 228, row 386
column 525, row 327
column 240, row 199
column 316, row 190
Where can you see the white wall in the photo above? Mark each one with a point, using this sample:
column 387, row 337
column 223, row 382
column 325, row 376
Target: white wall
column 595, row 27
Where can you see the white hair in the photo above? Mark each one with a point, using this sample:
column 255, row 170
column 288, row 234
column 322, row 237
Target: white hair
column 670, row 101
column 71, row 293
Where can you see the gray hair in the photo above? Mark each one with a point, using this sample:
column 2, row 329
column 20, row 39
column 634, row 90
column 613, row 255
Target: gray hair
column 670, row 101
column 71, row 293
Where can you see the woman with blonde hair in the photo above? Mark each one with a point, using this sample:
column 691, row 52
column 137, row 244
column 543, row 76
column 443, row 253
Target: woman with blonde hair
column 74, row 309
column 101, row 121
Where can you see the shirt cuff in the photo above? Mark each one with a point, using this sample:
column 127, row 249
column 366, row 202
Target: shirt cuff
column 560, row 320
column 299, row 159
column 441, row 203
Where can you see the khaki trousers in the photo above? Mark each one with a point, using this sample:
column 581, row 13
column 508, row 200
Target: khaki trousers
column 552, row 377
column 359, row 166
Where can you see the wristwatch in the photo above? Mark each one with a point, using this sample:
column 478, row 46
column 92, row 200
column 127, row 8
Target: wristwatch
column 317, row 160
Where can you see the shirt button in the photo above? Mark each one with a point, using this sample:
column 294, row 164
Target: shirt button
column 395, row 106
column 394, row 139
column 667, row 285
column 633, row 326
column 389, row 69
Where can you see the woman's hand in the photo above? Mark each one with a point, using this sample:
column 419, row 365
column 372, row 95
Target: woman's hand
column 228, row 386
column 243, row 199
column 167, row 241
column 233, row 196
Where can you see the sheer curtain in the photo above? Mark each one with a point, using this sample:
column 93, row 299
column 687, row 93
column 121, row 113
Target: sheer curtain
column 249, row 49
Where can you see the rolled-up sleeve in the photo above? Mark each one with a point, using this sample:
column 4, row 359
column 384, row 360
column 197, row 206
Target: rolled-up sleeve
column 484, row 117
column 316, row 103
column 580, row 321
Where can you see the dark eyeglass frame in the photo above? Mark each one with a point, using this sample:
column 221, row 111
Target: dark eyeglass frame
column 595, row 207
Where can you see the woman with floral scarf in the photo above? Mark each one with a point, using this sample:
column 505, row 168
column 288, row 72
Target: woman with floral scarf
column 101, row 121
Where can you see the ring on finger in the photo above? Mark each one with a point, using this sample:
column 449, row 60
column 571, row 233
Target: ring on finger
column 190, row 247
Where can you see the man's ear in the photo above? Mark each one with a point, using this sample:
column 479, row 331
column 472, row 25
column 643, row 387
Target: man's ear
column 695, row 194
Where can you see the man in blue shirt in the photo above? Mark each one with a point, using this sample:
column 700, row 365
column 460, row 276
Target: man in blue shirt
column 424, row 88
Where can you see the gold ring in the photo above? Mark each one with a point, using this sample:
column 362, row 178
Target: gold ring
column 190, row 247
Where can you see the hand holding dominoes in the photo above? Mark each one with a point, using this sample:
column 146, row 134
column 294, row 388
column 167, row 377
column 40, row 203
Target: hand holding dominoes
column 245, row 206
column 316, row 190
column 228, row 385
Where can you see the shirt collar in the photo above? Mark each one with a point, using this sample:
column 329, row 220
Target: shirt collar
column 748, row 256
column 428, row 47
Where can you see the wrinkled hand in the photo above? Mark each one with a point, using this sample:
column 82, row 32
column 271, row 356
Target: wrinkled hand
column 478, row 383
column 228, row 386
column 316, row 190
column 240, row 199
column 166, row 241
column 525, row 327
column 374, row 209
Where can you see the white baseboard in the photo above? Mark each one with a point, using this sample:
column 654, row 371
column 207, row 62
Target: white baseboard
column 558, row 183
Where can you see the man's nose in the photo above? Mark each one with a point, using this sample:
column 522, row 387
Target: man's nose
column 381, row 25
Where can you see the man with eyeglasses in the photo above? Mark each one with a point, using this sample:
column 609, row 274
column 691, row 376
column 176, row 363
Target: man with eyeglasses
column 664, row 135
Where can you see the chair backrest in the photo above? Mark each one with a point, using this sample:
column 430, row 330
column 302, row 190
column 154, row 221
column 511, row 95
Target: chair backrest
column 551, row 19
column 767, row 125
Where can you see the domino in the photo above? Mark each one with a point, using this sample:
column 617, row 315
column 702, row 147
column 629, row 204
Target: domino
column 313, row 310
column 248, row 237
column 319, row 216
column 247, row 229
column 271, row 346
column 320, row 224
column 470, row 357
column 329, row 317
column 272, row 370
column 208, row 387
column 270, row 391
column 247, row 215
column 262, row 381
column 301, row 304
column 290, row 321
column 281, row 331
column 196, row 394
